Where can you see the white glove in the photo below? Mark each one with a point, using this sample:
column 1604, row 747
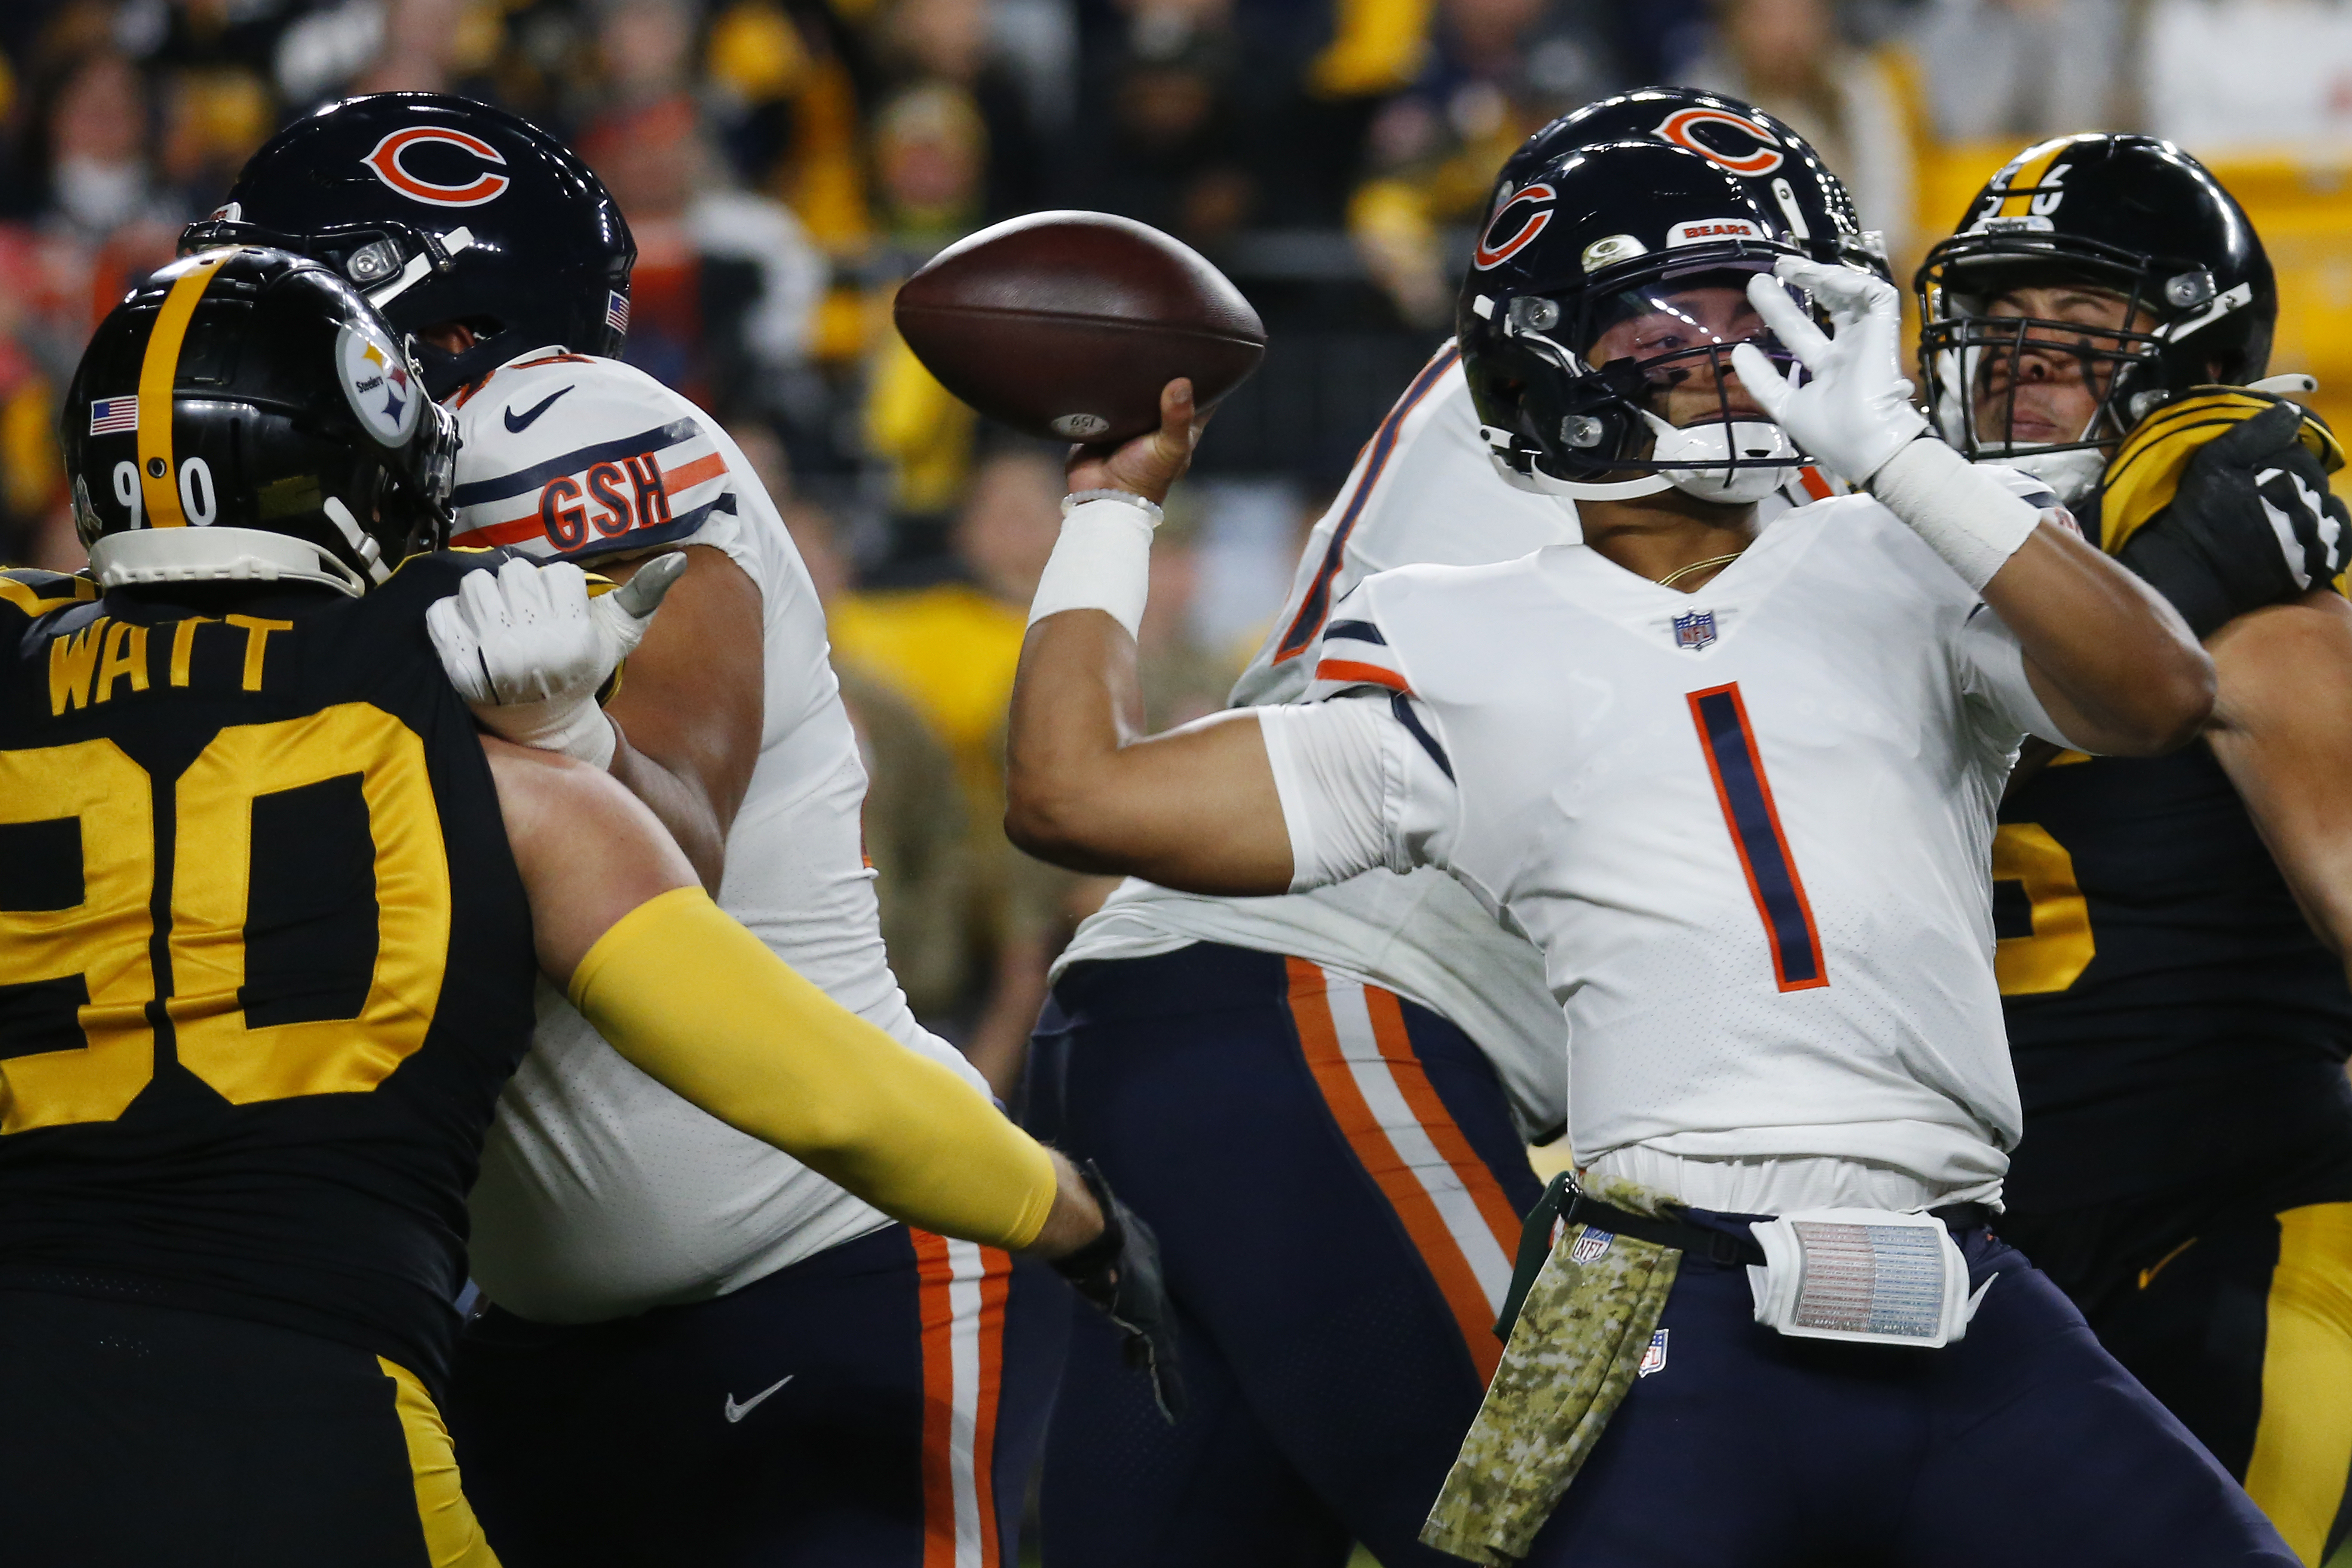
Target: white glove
column 528, row 649
column 1854, row 411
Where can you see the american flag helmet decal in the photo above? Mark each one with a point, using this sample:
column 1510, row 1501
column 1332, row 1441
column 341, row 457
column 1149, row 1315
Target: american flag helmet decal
column 617, row 310
column 112, row 415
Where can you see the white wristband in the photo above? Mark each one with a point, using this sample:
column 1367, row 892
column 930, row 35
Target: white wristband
column 1101, row 562
column 1966, row 515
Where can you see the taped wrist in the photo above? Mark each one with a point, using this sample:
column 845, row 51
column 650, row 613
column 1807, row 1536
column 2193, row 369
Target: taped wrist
column 701, row 1006
column 1966, row 515
column 1331, row 771
column 1101, row 562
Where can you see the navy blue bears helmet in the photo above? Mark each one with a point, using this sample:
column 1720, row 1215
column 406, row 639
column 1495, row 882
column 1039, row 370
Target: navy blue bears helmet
column 441, row 209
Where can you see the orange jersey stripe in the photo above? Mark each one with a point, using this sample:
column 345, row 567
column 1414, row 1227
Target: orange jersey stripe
column 1310, row 1010
column 995, row 1286
column 1413, row 1081
column 710, row 465
column 934, row 1275
column 501, row 532
column 1369, row 674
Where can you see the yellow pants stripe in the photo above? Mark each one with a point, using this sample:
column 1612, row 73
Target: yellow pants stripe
column 2302, row 1444
column 453, row 1536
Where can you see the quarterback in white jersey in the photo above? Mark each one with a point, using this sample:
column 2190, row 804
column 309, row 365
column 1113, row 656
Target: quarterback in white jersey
column 693, row 1348
column 1738, row 785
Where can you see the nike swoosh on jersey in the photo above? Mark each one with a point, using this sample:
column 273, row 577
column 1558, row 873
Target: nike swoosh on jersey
column 517, row 426
column 737, row 1412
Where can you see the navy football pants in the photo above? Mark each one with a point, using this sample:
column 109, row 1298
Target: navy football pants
column 877, row 1405
column 2025, row 1444
column 1336, row 1187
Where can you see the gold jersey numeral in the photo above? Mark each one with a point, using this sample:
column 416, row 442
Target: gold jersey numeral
column 2061, row 947
column 106, row 939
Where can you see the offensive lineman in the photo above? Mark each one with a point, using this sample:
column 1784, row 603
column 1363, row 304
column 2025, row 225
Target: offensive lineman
column 730, row 1354
column 1366, row 1059
column 1748, row 827
column 271, row 912
column 2174, row 931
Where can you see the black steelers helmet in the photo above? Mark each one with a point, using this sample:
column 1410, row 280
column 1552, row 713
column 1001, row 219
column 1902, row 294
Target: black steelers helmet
column 442, row 209
column 244, row 415
column 1783, row 172
column 1626, row 232
column 2129, row 215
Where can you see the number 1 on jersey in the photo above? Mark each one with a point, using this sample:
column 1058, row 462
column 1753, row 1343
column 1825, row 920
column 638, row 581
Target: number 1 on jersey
column 1746, row 795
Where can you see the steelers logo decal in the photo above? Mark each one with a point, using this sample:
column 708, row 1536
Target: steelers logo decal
column 389, row 163
column 378, row 384
column 1731, row 141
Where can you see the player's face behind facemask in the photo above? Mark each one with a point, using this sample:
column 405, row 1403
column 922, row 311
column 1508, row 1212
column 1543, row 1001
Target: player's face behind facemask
column 1597, row 323
column 2095, row 278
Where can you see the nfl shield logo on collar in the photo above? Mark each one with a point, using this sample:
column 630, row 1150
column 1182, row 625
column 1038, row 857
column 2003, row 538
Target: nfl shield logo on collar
column 1695, row 629
column 1655, row 1358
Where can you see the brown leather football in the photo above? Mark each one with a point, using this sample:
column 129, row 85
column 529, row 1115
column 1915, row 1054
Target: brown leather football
column 1067, row 324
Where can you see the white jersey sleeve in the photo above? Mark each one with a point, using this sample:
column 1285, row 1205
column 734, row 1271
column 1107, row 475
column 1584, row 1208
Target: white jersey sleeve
column 1423, row 490
column 566, row 456
column 602, row 1193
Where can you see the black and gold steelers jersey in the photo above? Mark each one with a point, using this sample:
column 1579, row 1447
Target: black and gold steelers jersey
column 265, row 958
column 2170, row 1014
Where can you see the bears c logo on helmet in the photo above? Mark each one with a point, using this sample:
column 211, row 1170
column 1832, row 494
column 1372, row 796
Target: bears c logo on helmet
column 1494, row 251
column 386, row 164
column 1762, row 154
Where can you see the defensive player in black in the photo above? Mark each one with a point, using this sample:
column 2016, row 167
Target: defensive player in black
column 271, row 912
column 2174, row 930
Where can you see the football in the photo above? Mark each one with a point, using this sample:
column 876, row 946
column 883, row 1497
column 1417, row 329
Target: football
column 1066, row 325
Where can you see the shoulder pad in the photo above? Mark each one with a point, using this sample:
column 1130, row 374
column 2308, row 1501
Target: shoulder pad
column 2145, row 473
column 33, row 593
column 569, row 456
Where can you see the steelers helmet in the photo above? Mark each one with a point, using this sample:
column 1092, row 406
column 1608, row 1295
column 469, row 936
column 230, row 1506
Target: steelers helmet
column 1780, row 168
column 1596, row 239
column 2131, row 216
column 443, row 209
column 245, row 416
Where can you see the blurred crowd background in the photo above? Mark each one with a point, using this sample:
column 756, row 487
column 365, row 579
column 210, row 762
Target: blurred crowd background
column 785, row 163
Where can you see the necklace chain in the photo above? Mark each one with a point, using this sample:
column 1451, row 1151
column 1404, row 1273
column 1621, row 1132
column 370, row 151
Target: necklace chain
column 1679, row 573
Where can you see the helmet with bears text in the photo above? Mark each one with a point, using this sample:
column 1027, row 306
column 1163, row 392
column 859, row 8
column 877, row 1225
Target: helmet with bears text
column 1784, row 173
column 442, row 209
column 2130, row 217
column 245, row 416
column 1612, row 279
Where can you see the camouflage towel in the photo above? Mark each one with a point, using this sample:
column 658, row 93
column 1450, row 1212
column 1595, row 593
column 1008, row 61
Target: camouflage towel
column 1572, row 1356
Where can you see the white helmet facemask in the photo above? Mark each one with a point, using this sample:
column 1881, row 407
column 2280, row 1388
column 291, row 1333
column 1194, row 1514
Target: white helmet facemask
column 1749, row 441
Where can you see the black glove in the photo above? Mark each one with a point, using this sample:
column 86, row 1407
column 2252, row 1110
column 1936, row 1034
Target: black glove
column 2221, row 547
column 1118, row 1271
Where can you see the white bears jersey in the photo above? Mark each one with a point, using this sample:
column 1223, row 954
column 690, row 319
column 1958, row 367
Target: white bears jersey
column 1423, row 490
column 602, row 1193
column 1749, row 827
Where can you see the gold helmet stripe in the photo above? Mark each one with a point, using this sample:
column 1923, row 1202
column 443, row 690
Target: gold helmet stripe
column 159, row 480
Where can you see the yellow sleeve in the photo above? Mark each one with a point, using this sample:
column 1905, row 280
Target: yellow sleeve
column 697, row 1002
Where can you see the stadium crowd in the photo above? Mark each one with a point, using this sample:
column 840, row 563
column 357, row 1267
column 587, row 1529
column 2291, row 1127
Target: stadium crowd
column 783, row 163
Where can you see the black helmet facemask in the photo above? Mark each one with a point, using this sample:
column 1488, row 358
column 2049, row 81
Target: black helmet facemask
column 2132, row 217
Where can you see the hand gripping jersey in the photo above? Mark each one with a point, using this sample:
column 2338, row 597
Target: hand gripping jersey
column 1749, row 828
column 1423, row 490
column 265, row 958
column 602, row 1193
